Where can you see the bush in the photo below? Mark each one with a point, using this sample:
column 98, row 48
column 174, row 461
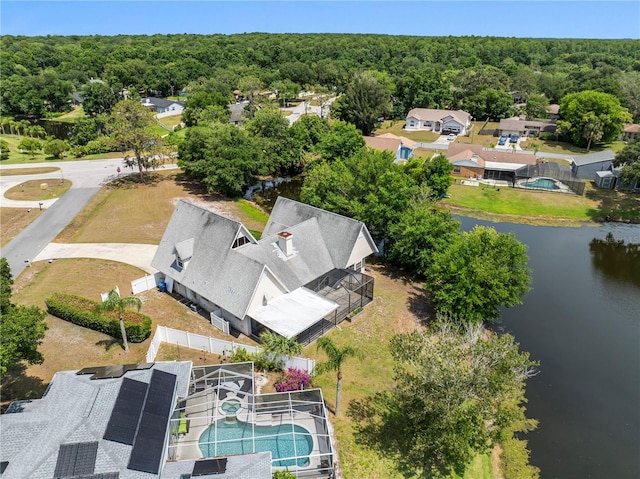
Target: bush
column 293, row 380
column 81, row 311
column 261, row 360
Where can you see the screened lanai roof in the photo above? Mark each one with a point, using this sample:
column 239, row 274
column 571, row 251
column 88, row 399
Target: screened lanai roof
column 292, row 313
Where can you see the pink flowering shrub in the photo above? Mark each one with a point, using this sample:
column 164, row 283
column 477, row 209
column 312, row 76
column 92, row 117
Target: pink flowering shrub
column 293, row 380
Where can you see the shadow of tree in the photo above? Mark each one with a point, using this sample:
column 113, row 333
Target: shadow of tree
column 614, row 205
column 17, row 385
column 108, row 343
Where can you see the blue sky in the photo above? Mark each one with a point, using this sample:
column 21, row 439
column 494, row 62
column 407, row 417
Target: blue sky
column 532, row 18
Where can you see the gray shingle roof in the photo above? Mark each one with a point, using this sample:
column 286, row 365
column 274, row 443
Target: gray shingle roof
column 228, row 277
column 338, row 232
column 74, row 409
column 160, row 102
column 600, row 156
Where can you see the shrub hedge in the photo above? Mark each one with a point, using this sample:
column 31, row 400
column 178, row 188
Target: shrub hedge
column 82, row 311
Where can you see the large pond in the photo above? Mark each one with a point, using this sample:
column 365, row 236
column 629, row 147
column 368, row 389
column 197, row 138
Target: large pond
column 582, row 322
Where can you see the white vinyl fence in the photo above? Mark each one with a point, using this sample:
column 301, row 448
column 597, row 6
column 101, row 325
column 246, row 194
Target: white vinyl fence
column 219, row 322
column 145, row 283
column 214, row 345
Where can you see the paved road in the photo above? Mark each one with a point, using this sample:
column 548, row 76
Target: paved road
column 87, row 177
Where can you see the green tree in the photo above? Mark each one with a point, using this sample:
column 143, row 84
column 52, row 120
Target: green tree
column 421, row 231
column 630, row 88
column 365, row 100
column 4, row 150
column 309, row 130
column 30, row 145
column 593, row 128
column 22, row 328
column 115, row 303
column 335, row 358
column 478, row 273
column 282, row 474
column 225, row 158
column 56, row 148
column 250, row 87
column 578, row 109
column 455, row 394
column 285, row 90
column 275, row 346
column 98, row 98
column 489, row 103
column 280, row 152
column 342, row 141
column 629, row 159
column 536, row 107
column 130, row 127
column 434, row 173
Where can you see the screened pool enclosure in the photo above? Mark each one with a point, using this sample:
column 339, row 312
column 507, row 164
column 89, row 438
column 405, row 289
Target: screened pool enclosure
column 222, row 416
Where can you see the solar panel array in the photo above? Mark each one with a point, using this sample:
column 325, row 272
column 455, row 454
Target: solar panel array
column 113, row 371
column 126, row 412
column 148, row 444
column 76, row 459
column 210, row 466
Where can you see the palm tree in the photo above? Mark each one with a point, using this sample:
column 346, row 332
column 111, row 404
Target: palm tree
column 334, row 363
column 115, row 303
column 277, row 345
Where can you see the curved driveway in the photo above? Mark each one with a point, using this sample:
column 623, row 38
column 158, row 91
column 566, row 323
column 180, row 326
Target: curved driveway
column 87, row 177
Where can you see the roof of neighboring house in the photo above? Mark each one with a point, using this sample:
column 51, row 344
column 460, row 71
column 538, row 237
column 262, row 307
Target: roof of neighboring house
column 77, row 96
column 631, row 128
column 464, row 151
column 383, row 144
column 428, row 114
column 553, row 109
column 322, row 241
column 76, row 409
column 599, row 157
column 160, row 102
column 237, row 112
column 405, row 141
column 516, row 123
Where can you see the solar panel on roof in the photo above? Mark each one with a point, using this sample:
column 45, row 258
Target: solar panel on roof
column 210, row 466
column 76, row 459
column 126, row 412
column 148, row 444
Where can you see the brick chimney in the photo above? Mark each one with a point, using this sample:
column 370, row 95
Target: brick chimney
column 285, row 242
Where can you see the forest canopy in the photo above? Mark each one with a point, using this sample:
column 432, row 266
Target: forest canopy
column 38, row 73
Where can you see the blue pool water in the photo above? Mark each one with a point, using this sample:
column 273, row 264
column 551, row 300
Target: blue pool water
column 542, row 183
column 238, row 434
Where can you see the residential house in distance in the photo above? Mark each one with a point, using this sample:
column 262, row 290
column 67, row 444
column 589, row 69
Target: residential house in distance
column 164, row 419
column 630, row 131
column 160, row 105
column 439, row 121
column 553, row 111
column 402, row 148
column 473, row 161
column 524, row 128
column 237, row 112
column 586, row 166
column 304, row 275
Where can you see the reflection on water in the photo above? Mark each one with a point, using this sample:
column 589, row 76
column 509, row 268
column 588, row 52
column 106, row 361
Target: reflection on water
column 616, row 259
column 266, row 192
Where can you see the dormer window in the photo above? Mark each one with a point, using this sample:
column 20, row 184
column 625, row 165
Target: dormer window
column 240, row 240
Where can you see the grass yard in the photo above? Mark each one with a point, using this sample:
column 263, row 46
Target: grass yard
column 397, row 128
column 540, row 207
column 38, row 190
column 14, row 220
column 67, row 346
column 170, row 121
column 72, row 116
column 28, row 171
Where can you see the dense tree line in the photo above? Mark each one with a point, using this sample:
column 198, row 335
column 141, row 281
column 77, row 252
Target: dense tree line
column 38, row 73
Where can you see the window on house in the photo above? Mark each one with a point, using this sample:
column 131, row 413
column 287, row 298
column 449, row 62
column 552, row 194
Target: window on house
column 412, row 123
column 456, row 169
column 240, row 240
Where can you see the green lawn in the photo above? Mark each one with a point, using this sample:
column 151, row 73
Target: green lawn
column 72, row 116
column 397, row 128
column 540, row 207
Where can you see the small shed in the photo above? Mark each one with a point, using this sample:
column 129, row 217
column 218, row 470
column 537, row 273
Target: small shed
column 585, row 166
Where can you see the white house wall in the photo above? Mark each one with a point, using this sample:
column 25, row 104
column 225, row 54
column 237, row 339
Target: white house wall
column 361, row 249
column 267, row 286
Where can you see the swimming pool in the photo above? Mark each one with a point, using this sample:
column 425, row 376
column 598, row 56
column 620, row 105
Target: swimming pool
column 236, row 438
column 541, row 183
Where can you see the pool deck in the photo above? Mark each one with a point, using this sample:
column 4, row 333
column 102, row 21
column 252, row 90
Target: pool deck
column 205, row 409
